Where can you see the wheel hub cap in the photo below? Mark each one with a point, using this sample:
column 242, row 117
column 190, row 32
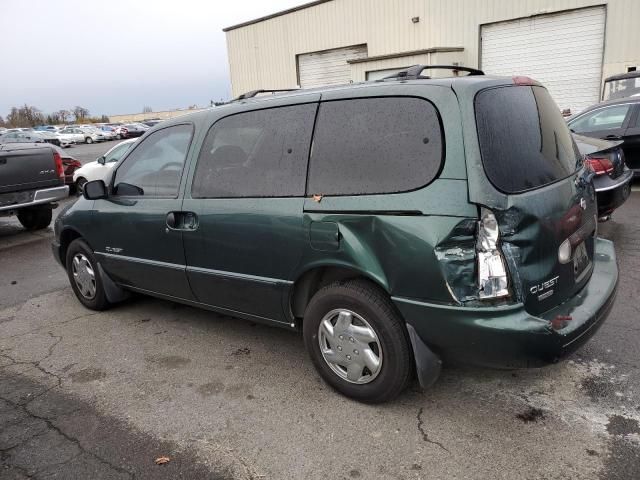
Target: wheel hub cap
column 84, row 276
column 350, row 346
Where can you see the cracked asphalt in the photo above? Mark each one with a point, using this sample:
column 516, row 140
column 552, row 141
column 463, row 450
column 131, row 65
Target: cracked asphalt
column 102, row 395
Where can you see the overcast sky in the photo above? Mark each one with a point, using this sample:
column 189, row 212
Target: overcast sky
column 116, row 56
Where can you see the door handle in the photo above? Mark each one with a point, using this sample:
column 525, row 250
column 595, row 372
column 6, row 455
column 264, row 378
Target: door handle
column 613, row 137
column 184, row 221
column 190, row 221
column 171, row 220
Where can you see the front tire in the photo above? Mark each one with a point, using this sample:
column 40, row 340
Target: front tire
column 357, row 341
column 35, row 218
column 82, row 270
column 88, row 140
column 80, row 182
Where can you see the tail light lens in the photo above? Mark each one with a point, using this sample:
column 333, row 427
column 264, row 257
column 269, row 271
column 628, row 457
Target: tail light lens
column 59, row 166
column 564, row 252
column 523, row 81
column 492, row 271
column 599, row 165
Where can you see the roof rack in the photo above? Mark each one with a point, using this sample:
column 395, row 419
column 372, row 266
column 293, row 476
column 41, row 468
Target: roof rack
column 413, row 73
column 253, row 93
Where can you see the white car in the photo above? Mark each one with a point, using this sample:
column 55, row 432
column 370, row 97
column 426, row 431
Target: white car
column 76, row 134
column 101, row 168
column 108, row 132
column 67, row 139
column 92, row 134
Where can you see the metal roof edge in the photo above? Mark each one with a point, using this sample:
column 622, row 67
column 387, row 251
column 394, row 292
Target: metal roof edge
column 274, row 15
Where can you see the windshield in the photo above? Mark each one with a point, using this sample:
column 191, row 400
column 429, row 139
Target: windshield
column 622, row 88
column 524, row 141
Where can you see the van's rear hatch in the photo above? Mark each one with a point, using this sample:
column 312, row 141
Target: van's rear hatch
column 540, row 194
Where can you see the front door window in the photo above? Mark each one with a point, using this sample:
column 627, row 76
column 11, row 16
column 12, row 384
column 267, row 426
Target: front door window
column 154, row 168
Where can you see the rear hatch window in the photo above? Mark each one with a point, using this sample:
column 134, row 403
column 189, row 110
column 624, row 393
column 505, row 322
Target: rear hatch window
column 524, row 141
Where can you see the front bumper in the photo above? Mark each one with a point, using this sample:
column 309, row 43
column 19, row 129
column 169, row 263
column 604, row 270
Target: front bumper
column 612, row 193
column 509, row 337
column 57, row 252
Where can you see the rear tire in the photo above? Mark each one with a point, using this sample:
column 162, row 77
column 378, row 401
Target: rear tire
column 375, row 336
column 82, row 270
column 88, row 140
column 35, row 218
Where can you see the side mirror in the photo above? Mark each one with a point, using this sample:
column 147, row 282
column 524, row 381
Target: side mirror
column 101, row 160
column 95, row 190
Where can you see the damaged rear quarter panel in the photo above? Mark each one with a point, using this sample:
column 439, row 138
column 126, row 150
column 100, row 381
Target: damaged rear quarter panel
column 396, row 251
column 396, row 245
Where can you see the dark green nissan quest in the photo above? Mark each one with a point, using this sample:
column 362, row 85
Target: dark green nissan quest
column 397, row 223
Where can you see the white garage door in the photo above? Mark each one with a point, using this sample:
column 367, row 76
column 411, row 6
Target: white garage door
column 329, row 67
column 563, row 51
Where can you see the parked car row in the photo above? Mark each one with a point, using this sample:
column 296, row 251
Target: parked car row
column 69, row 135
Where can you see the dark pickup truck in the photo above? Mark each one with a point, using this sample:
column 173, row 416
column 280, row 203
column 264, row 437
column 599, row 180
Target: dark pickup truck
column 31, row 180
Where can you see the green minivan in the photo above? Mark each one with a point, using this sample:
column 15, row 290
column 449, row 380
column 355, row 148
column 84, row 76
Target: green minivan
column 397, row 223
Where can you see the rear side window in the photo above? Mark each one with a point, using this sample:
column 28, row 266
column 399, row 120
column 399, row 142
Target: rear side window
column 261, row 153
column 375, row 145
column 608, row 118
column 524, row 141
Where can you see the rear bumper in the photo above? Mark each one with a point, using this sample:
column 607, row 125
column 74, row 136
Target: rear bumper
column 509, row 337
column 37, row 197
column 612, row 193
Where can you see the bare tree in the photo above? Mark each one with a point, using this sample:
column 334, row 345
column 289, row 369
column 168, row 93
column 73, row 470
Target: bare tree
column 80, row 113
column 2, row 124
column 147, row 109
column 63, row 115
column 25, row 116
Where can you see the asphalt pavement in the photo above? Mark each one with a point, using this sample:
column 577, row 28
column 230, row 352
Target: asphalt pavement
column 104, row 395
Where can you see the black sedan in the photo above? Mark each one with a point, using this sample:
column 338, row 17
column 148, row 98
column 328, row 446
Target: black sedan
column 135, row 129
column 611, row 177
column 613, row 120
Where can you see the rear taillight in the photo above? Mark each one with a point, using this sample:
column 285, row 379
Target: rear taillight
column 599, row 165
column 59, row 166
column 492, row 271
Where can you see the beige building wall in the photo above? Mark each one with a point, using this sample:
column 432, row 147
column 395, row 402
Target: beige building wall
column 263, row 54
column 138, row 117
